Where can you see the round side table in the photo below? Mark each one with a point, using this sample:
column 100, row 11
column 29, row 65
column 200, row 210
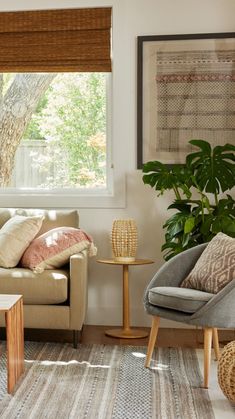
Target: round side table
column 126, row 331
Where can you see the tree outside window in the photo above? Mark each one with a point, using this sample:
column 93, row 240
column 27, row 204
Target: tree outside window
column 53, row 130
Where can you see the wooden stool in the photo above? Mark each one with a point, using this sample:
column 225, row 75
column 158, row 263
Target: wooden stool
column 12, row 306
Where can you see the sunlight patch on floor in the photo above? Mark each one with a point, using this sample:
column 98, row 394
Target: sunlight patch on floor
column 138, row 354
column 158, row 366
column 72, row 362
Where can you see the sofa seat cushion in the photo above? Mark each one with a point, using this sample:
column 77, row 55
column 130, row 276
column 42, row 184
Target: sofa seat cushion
column 49, row 287
column 180, row 299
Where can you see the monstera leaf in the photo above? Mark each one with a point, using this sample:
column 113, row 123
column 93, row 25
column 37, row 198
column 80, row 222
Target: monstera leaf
column 162, row 177
column 198, row 217
column 214, row 169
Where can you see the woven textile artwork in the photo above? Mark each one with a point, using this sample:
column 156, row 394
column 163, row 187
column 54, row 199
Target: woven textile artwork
column 196, row 98
column 106, row 382
column 216, row 266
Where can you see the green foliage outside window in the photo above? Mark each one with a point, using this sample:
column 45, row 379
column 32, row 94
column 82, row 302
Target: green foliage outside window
column 71, row 118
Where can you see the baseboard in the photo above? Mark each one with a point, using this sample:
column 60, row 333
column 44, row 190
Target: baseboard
column 96, row 334
column 43, row 335
column 139, row 318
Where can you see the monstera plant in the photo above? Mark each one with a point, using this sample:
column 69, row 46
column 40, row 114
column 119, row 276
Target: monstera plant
column 202, row 202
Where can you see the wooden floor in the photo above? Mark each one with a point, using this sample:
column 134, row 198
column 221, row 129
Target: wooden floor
column 96, row 334
column 166, row 337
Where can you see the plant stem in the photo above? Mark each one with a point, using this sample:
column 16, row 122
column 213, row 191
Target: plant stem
column 216, row 198
column 177, row 194
column 203, row 218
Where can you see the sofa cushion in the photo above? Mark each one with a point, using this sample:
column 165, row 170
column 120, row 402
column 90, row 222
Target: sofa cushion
column 180, row 299
column 54, row 248
column 15, row 236
column 216, row 266
column 52, row 218
column 50, row 287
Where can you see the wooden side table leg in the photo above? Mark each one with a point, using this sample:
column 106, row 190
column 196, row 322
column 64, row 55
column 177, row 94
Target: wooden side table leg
column 15, row 344
column 126, row 332
column 126, row 305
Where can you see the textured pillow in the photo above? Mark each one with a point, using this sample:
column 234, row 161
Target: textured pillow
column 54, row 248
column 216, row 266
column 15, row 236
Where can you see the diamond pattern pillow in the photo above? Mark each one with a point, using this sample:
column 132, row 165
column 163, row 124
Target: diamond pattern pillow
column 216, row 266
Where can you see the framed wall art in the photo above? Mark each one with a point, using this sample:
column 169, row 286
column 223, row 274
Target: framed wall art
column 185, row 90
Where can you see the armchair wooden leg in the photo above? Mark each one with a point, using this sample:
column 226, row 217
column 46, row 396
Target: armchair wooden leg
column 152, row 339
column 216, row 343
column 207, row 354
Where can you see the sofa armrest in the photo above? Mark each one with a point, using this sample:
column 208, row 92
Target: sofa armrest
column 78, row 289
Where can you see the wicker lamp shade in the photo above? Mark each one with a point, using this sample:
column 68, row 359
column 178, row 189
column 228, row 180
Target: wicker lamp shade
column 226, row 371
column 124, row 240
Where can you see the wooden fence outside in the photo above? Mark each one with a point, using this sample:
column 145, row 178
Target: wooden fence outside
column 27, row 173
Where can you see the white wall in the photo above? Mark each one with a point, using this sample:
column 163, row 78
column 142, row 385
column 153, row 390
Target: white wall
column 130, row 19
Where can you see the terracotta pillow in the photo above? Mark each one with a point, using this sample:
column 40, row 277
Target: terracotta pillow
column 15, row 236
column 53, row 249
column 216, row 266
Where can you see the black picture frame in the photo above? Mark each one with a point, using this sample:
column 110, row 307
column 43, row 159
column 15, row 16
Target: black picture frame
column 160, row 41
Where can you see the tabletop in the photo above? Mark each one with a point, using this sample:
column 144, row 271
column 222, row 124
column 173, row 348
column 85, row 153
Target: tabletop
column 8, row 300
column 134, row 262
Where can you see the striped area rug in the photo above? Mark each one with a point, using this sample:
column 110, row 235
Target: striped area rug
column 105, row 382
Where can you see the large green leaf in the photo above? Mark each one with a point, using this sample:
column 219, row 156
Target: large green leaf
column 162, row 178
column 205, row 227
column 181, row 205
column 189, row 224
column 214, row 169
column 196, row 220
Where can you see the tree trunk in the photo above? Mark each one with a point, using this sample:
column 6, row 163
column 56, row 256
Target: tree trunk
column 16, row 108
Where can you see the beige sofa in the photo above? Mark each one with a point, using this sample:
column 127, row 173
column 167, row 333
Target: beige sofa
column 54, row 299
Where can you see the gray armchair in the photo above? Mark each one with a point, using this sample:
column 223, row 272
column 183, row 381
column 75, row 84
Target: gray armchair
column 164, row 298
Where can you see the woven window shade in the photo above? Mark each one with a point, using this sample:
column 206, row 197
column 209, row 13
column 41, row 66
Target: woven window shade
column 55, row 40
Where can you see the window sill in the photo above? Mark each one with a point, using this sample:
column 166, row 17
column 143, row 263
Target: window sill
column 97, row 199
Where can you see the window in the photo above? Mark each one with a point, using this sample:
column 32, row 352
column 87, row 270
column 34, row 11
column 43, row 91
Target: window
column 63, row 143
column 55, row 70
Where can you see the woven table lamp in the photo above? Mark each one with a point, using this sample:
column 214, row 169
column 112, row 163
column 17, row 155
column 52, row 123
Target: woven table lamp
column 124, row 240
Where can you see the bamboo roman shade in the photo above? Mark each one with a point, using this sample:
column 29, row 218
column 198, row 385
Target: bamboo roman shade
column 55, row 40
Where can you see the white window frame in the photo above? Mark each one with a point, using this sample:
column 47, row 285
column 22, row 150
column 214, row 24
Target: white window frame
column 113, row 196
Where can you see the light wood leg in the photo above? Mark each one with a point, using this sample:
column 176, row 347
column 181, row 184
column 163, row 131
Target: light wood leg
column 152, row 339
column 126, row 332
column 216, row 343
column 126, row 307
column 207, row 354
column 15, row 344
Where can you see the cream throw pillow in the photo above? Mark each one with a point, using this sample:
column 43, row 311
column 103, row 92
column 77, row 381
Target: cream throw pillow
column 15, row 236
column 216, row 266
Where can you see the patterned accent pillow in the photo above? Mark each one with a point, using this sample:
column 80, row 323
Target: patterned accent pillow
column 53, row 249
column 15, row 236
column 216, row 266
